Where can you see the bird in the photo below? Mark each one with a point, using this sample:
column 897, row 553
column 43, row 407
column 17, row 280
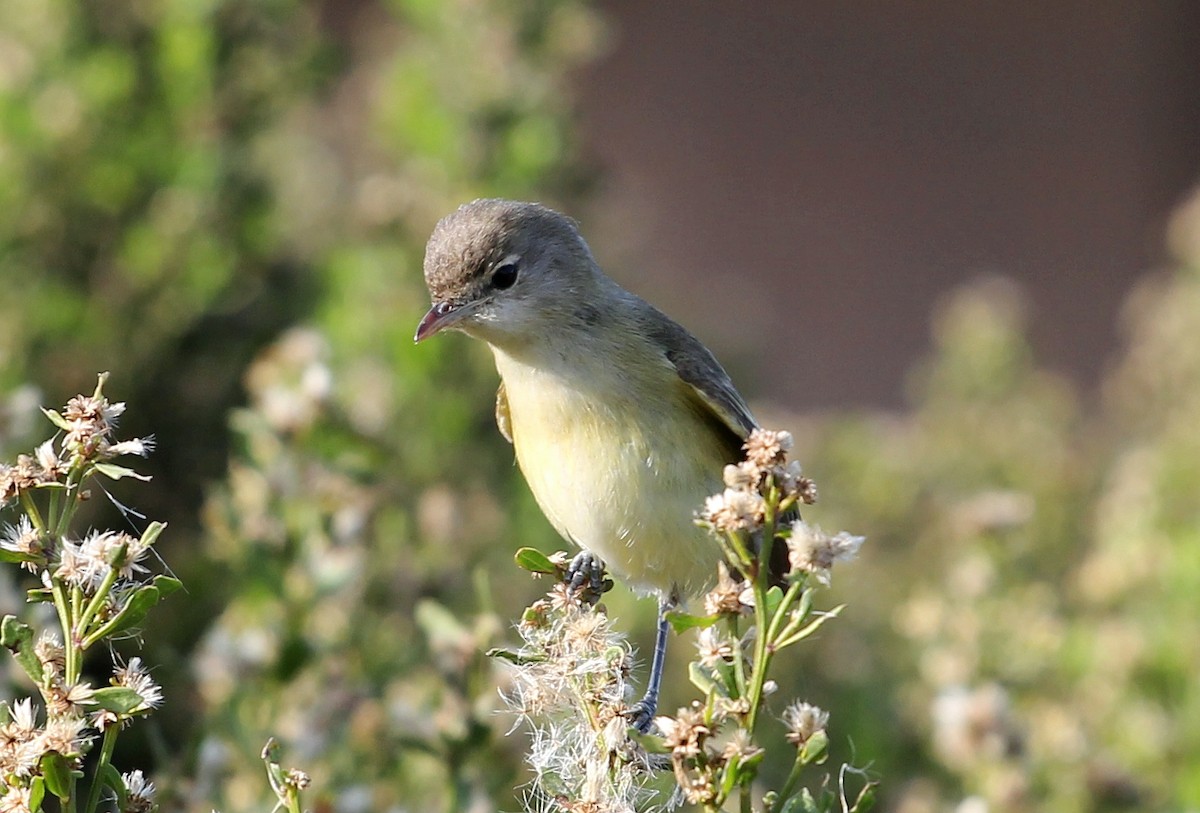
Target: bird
column 621, row 420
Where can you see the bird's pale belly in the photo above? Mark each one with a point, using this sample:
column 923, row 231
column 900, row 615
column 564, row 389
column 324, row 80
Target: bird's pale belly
column 623, row 481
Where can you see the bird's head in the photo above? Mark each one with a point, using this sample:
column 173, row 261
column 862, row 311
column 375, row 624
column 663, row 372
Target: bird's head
column 500, row 270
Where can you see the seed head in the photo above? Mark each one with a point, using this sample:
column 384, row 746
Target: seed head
column 812, row 551
column 17, row 799
column 742, row 476
column 740, row 747
column 134, row 676
column 803, row 720
column 713, row 647
column 733, row 510
column 685, row 733
column 23, row 539
column 139, row 793
column 767, row 447
column 50, row 652
column 730, row 596
column 68, row 700
column 65, row 735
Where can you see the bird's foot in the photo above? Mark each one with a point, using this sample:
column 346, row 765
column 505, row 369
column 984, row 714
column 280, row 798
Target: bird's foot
column 641, row 714
column 585, row 577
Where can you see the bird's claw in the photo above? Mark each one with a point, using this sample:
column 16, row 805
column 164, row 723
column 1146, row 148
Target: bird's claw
column 641, row 714
column 585, row 577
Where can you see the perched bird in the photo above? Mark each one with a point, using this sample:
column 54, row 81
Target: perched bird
column 621, row 420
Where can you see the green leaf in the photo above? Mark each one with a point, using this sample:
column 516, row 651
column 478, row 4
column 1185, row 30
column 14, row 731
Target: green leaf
column 512, row 656
column 731, row 777
column 115, row 472
column 534, row 561
column 865, row 800
column 728, row 674
column 811, row 627
column 57, row 773
column 652, row 743
column 17, row 637
column 804, row 803
column 533, row 617
column 117, row 699
column 680, row 621
column 17, row 557
column 704, row 680
column 110, row 776
column 152, row 532
column 806, row 603
column 39, row 595
column 37, row 792
column 56, row 419
column 774, row 599
column 815, row 749
column 167, row 585
column 137, row 606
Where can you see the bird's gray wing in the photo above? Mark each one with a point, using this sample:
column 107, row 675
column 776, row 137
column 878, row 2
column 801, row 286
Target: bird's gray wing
column 698, row 368
column 503, row 420
column 714, row 390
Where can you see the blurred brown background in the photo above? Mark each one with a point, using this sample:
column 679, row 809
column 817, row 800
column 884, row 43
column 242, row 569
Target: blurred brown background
column 864, row 158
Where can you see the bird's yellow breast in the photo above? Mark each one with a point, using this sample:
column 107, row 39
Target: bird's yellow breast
column 619, row 457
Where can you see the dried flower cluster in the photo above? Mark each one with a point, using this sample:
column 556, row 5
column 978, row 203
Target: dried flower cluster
column 139, row 793
column 570, row 683
column 804, row 721
column 812, row 551
column 742, row 505
column 88, row 424
column 714, row 754
column 98, row 588
column 730, row 596
column 761, row 495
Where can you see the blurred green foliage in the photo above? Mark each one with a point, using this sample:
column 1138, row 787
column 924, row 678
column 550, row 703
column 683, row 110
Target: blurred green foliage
column 1024, row 611
column 187, row 180
column 225, row 202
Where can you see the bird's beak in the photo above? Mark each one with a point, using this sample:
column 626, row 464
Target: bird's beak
column 441, row 316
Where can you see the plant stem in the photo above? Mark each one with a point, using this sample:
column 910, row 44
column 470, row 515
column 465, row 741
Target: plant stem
column 35, row 516
column 739, row 658
column 71, row 502
column 106, row 752
column 71, row 655
column 762, row 654
column 85, row 618
column 785, row 792
column 781, row 612
column 762, row 659
column 55, row 507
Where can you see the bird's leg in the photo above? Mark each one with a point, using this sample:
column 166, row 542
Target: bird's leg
column 642, row 713
column 585, row 576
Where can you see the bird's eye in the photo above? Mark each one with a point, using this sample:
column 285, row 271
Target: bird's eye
column 504, row 276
